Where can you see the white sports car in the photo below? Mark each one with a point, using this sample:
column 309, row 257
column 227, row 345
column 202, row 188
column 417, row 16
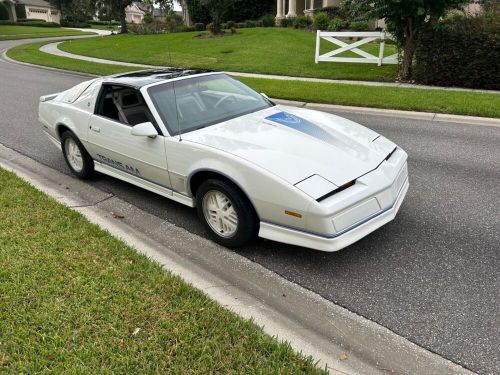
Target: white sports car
column 250, row 167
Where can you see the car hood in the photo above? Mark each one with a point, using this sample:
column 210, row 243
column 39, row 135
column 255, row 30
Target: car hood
column 296, row 143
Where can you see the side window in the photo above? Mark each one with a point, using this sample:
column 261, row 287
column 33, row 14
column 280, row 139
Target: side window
column 124, row 105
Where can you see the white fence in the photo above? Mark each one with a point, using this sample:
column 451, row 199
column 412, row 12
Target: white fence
column 367, row 37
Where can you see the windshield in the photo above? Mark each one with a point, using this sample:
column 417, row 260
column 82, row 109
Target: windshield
column 204, row 101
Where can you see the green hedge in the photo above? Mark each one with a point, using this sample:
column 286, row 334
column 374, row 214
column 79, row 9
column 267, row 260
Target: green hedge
column 20, row 11
column 76, row 24
column 4, row 14
column 464, row 53
column 30, row 23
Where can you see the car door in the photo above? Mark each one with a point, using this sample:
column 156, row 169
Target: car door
column 111, row 143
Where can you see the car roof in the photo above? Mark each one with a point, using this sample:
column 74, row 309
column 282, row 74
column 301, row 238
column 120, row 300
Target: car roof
column 146, row 77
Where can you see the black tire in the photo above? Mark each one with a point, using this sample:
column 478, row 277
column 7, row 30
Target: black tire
column 247, row 222
column 88, row 164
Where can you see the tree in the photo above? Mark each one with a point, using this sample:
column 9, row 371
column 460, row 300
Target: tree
column 119, row 7
column 243, row 10
column 61, row 5
column 404, row 19
column 240, row 10
column 165, row 6
column 81, row 10
column 217, row 10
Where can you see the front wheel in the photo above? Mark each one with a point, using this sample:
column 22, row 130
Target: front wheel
column 77, row 158
column 226, row 213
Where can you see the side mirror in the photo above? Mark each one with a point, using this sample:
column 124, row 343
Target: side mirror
column 145, row 129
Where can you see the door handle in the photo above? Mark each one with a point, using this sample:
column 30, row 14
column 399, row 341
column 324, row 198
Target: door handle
column 95, row 128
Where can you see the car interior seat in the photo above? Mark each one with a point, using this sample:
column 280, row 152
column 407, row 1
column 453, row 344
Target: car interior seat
column 131, row 107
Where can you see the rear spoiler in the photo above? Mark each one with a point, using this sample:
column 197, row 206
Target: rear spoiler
column 46, row 98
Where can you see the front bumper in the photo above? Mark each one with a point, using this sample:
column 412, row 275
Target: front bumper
column 340, row 240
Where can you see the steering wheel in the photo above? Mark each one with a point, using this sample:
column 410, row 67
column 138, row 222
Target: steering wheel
column 222, row 99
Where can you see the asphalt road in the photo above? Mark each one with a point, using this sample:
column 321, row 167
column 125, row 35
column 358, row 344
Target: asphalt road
column 431, row 275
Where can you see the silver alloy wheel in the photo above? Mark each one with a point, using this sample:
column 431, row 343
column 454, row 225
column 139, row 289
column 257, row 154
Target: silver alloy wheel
column 73, row 154
column 219, row 213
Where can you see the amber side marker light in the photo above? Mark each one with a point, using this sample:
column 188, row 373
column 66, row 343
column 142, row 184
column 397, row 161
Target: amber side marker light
column 294, row 214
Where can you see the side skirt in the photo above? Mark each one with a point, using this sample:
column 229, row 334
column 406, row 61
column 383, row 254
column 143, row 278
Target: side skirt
column 55, row 141
column 137, row 181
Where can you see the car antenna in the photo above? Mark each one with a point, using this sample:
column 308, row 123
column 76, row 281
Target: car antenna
column 169, row 56
column 177, row 112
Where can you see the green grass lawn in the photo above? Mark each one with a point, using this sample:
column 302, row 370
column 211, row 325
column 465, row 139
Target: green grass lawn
column 74, row 299
column 441, row 101
column 258, row 50
column 30, row 53
column 8, row 32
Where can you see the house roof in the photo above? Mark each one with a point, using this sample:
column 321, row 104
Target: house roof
column 141, row 6
column 37, row 3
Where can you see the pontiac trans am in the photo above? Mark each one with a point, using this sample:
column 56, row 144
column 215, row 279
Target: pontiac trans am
column 250, row 167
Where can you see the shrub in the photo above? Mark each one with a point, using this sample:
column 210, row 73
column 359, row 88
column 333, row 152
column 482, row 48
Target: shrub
column 211, row 27
column 77, row 24
column 287, row 22
column 148, row 18
column 30, row 20
column 143, row 29
column 321, row 21
column 461, row 53
column 336, row 24
column 230, row 24
column 38, row 23
column 199, row 26
column 4, row 14
column 188, row 29
column 302, row 22
column 174, row 17
column 334, row 12
column 251, row 23
column 20, row 11
column 268, row 20
column 240, row 25
column 173, row 23
column 360, row 26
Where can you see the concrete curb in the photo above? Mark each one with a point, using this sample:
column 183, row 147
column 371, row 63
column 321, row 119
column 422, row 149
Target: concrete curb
column 311, row 324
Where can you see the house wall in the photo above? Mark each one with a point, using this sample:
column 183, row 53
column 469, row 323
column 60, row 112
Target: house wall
column 134, row 17
column 133, row 14
column 43, row 13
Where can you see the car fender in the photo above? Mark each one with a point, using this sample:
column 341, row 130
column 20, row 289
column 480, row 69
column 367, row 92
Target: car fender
column 270, row 195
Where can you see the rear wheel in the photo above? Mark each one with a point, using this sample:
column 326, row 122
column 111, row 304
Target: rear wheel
column 77, row 158
column 226, row 213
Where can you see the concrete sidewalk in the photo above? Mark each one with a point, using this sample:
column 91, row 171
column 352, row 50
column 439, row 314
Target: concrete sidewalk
column 53, row 49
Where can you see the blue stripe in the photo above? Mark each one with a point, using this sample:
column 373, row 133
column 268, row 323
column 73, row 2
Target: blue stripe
column 302, row 125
